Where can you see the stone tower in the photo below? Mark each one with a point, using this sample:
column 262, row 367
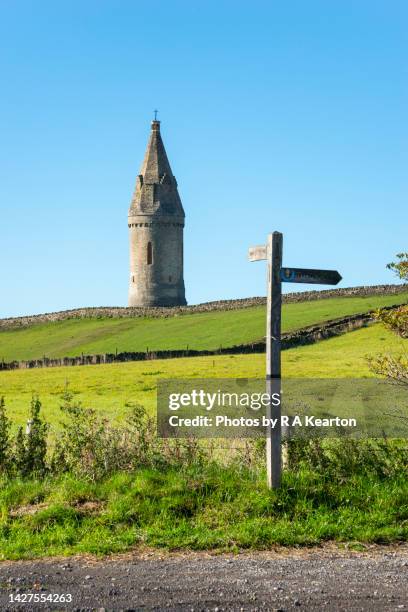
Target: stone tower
column 156, row 222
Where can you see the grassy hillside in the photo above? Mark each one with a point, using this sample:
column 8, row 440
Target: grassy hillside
column 199, row 331
column 108, row 388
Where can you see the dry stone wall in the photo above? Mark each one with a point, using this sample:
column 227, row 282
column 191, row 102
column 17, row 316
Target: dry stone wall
column 158, row 312
column 307, row 335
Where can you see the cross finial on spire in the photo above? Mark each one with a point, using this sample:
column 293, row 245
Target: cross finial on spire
column 155, row 114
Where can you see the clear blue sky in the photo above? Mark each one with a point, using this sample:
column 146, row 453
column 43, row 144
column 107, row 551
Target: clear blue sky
column 288, row 115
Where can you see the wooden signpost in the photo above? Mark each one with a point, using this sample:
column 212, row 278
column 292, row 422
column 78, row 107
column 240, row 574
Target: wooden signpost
column 272, row 252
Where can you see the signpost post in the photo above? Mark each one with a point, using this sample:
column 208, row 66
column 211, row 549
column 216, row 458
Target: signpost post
column 272, row 252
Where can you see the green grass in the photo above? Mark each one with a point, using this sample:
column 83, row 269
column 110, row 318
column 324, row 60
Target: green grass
column 198, row 331
column 205, row 506
column 108, row 388
column 198, row 508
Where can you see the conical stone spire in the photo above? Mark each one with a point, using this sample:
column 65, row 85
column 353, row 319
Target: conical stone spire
column 156, row 223
column 156, row 187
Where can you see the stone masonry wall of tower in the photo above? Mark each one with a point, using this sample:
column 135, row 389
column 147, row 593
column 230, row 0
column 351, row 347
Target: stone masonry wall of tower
column 156, row 224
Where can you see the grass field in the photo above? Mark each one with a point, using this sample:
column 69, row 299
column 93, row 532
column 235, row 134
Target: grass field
column 202, row 508
column 213, row 505
column 197, row 331
column 108, row 388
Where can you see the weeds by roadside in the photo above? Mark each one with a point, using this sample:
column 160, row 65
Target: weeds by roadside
column 88, row 445
column 104, row 489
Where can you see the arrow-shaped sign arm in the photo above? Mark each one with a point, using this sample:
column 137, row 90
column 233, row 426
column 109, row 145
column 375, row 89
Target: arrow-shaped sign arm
column 309, row 276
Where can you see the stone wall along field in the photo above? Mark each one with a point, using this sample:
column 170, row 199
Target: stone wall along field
column 120, row 311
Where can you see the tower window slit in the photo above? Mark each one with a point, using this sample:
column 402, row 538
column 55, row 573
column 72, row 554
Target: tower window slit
column 149, row 253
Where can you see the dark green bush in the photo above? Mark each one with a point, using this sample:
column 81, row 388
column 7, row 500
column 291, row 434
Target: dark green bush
column 30, row 448
column 4, row 439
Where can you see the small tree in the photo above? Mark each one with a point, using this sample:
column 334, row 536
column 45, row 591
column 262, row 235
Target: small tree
column 396, row 319
column 4, row 438
column 30, row 449
column 20, row 453
column 36, row 440
column 400, row 267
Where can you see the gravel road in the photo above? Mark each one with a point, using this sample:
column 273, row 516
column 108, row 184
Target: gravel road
column 314, row 579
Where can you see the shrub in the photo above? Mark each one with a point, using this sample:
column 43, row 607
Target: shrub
column 393, row 367
column 36, row 440
column 338, row 459
column 4, row 439
column 30, row 448
column 91, row 447
column 396, row 319
column 87, row 446
column 400, row 267
column 20, row 452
